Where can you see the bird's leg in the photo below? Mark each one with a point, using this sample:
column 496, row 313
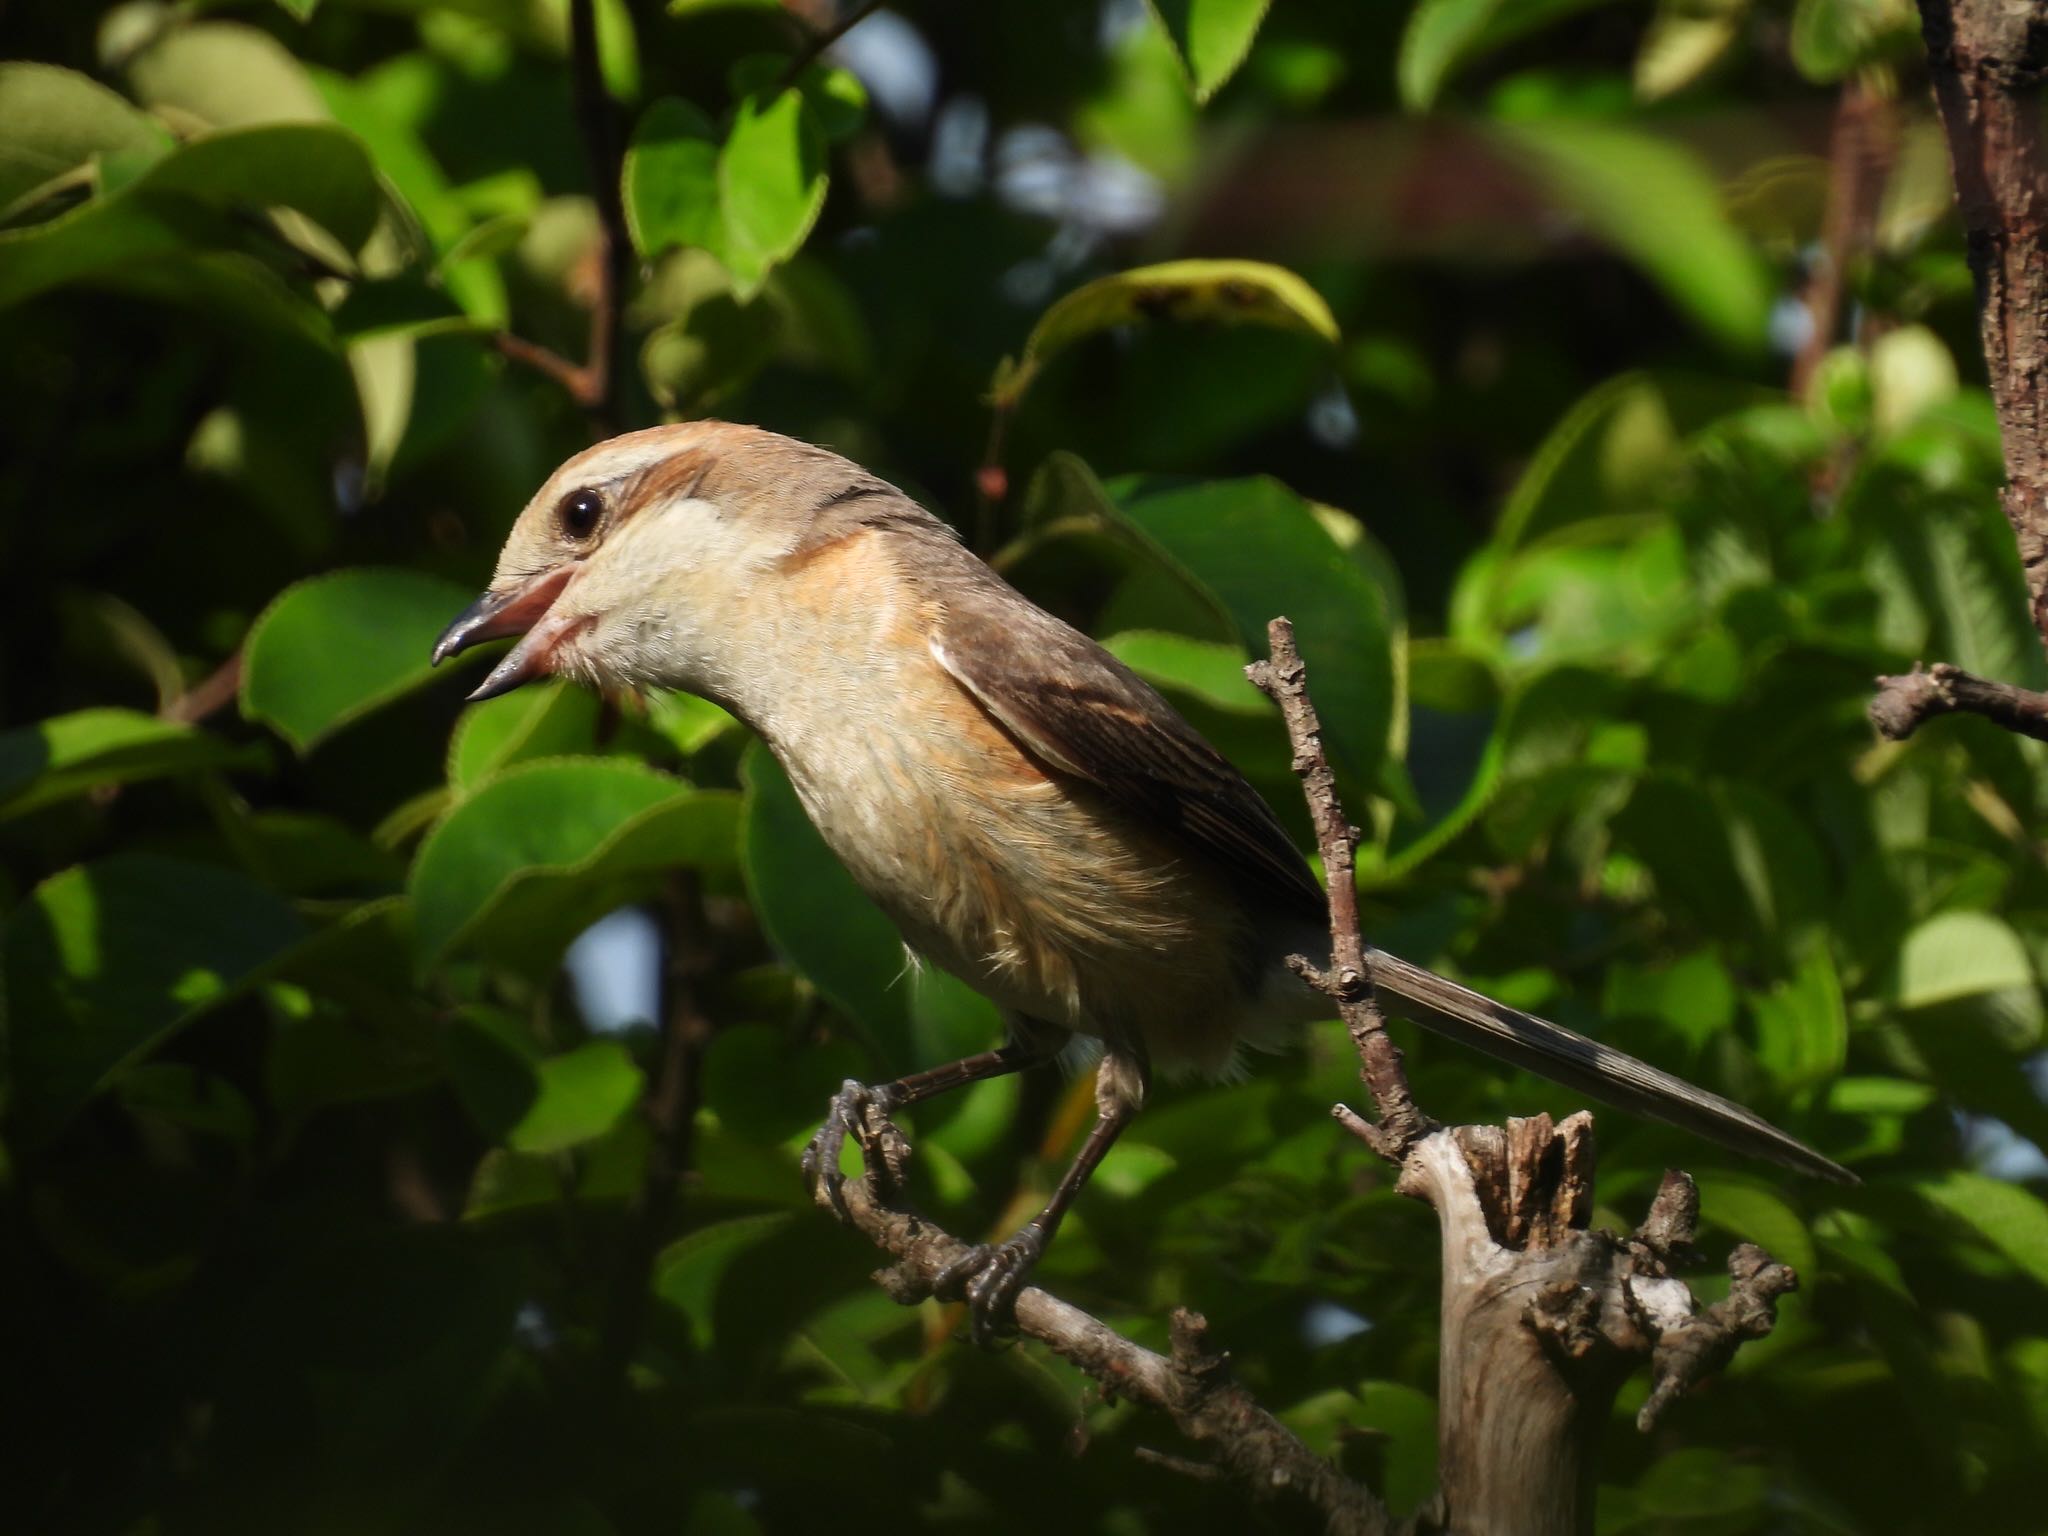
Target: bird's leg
column 863, row 1113
column 989, row 1277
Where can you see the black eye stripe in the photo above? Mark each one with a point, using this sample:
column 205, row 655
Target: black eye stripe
column 579, row 513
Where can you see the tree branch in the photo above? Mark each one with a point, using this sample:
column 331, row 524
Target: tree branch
column 1348, row 981
column 594, row 383
column 1901, row 704
column 1193, row 1385
column 819, row 41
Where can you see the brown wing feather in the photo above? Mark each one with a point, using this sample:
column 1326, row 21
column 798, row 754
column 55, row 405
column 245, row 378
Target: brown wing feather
column 1082, row 712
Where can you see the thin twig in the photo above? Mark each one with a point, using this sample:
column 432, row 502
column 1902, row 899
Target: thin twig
column 597, row 123
column 215, row 691
column 1348, row 981
column 671, row 1112
column 823, row 39
column 594, row 383
column 1859, row 157
column 1901, row 704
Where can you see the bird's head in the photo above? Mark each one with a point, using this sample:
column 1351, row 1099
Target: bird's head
column 649, row 560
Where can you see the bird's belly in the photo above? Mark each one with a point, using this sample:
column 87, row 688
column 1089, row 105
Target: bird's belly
column 1038, row 893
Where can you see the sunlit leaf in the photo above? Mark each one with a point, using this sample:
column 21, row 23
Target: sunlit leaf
column 1683, row 41
column 671, row 180
column 1959, row 954
column 583, row 1094
column 333, row 648
column 2008, row 1217
column 1444, row 34
column 552, row 719
column 1654, row 201
column 1194, row 291
column 533, row 857
column 1210, row 37
column 53, row 121
column 771, row 186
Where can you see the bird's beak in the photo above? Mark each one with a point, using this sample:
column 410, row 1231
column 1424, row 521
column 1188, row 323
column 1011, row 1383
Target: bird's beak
column 521, row 610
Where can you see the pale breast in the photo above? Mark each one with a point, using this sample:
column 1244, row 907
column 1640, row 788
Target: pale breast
column 1025, row 884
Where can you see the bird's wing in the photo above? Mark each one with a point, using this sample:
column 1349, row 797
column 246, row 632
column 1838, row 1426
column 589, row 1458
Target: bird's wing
column 1081, row 712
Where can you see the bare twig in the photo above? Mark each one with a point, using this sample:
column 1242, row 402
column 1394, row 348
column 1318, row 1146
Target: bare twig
column 821, row 40
column 1859, row 157
column 1988, row 59
column 594, row 383
column 1348, row 981
column 213, row 692
column 1901, row 704
column 671, row 1112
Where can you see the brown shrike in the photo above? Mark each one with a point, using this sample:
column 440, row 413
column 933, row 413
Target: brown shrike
column 1034, row 817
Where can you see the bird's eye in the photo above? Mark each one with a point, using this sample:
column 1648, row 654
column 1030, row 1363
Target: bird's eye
column 579, row 514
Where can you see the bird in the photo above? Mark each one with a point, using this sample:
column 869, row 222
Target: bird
column 1034, row 817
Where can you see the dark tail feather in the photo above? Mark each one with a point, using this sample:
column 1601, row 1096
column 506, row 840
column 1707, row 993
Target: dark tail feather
column 1552, row 1051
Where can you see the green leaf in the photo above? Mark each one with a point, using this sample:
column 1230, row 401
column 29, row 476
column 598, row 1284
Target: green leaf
column 1803, row 1024
column 53, row 121
column 226, row 74
column 184, row 202
column 583, row 1094
column 1256, row 551
column 1749, row 1209
column 1656, row 203
column 771, row 186
column 1683, row 41
column 1444, row 34
column 537, row 854
column 1831, row 38
column 2009, row 1218
column 331, row 649
column 1959, row 954
column 300, row 10
column 671, row 180
column 70, row 754
column 1209, row 671
column 106, row 961
column 553, row 719
column 1203, row 291
column 815, row 915
column 687, row 1274
column 1210, row 37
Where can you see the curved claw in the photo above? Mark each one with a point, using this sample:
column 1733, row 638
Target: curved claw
column 989, row 1279
column 850, row 1115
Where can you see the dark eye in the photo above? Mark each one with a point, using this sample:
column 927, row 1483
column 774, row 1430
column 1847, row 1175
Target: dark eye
column 579, row 514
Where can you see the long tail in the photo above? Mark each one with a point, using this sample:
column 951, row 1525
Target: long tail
column 1552, row 1051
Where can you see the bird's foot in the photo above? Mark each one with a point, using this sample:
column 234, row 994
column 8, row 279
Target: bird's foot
column 862, row 1113
column 988, row 1277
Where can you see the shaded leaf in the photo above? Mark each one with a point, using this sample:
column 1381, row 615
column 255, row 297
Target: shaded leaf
column 106, row 961
column 687, row 1274
column 1655, row 202
column 1444, row 34
column 70, row 754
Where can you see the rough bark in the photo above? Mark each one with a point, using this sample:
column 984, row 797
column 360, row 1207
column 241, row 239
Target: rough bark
column 1988, row 58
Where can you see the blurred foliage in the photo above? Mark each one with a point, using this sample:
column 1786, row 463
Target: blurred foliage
column 327, row 1185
